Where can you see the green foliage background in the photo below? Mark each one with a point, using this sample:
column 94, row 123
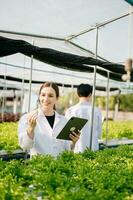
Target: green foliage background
column 125, row 102
column 9, row 135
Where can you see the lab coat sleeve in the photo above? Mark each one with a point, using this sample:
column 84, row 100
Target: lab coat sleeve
column 25, row 141
column 67, row 145
column 68, row 114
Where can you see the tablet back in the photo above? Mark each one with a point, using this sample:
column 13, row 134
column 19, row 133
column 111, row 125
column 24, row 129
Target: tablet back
column 73, row 125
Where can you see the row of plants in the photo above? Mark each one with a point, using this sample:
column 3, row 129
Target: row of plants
column 9, row 136
column 106, row 174
column 118, row 129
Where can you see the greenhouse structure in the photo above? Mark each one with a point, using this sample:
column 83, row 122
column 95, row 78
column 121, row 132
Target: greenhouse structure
column 67, row 43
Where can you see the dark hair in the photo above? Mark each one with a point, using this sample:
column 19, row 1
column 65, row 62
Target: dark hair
column 84, row 90
column 50, row 84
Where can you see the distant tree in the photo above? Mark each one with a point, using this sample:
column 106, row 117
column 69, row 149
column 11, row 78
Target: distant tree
column 125, row 102
column 66, row 101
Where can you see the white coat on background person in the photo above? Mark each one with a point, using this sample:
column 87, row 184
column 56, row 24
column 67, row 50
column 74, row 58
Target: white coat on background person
column 38, row 129
column 83, row 109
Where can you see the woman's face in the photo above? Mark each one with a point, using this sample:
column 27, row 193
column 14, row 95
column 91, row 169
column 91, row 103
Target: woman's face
column 48, row 98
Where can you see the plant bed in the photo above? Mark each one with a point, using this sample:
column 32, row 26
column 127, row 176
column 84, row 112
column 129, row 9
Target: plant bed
column 97, row 175
column 17, row 154
column 115, row 143
column 9, row 137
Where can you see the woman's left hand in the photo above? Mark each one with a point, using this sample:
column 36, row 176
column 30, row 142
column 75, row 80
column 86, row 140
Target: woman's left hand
column 74, row 137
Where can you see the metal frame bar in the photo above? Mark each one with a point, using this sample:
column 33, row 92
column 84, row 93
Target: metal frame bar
column 99, row 25
column 31, row 35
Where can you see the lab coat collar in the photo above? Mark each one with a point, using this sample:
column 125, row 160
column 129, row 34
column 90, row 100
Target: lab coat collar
column 40, row 112
column 57, row 118
column 56, row 121
column 84, row 103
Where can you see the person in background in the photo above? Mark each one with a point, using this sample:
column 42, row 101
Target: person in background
column 38, row 129
column 83, row 109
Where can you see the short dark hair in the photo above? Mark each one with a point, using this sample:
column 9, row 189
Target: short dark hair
column 84, row 90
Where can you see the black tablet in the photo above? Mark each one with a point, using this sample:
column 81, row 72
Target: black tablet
column 74, row 124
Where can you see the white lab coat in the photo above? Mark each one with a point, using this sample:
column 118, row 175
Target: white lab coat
column 84, row 110
column 44, row 141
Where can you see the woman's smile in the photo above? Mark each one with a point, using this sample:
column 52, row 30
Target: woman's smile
column 48, row 98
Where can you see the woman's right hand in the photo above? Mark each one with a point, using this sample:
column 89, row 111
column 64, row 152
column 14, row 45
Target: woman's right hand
column 32, row 117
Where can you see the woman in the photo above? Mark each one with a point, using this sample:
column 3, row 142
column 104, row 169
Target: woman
column 38, row 129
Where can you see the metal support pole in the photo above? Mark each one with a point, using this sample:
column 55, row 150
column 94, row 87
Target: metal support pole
column 94, row 86
column 107, row 106
column 22, row 89
column 3, row 99
column 3, row 108
column 30, row 84
column 30, row 81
